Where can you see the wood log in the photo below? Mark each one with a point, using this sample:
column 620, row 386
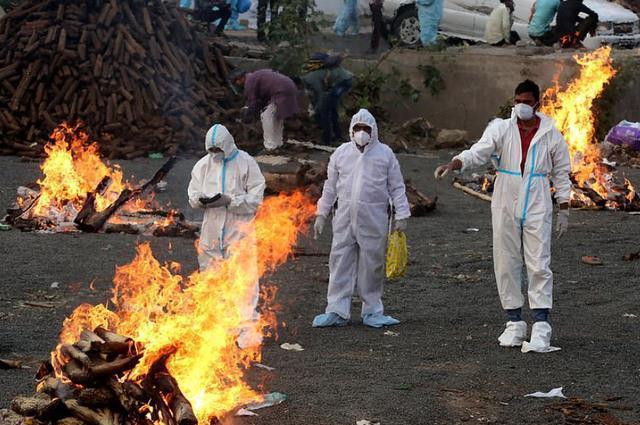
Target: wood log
column 472, row 192
column 74, row 353
column 41, row 406
column 96, row 397
column 88, row 415
column 89, row 220
column 167, row 388
column 77, row 373
column 108, row 336
column 419, row 203
column 70, row 420
column 115, row 367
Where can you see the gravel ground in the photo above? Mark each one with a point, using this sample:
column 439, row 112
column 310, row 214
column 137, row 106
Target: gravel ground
column 443, row 367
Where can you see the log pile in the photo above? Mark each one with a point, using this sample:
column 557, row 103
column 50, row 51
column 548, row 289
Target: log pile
column 91, row 387
column 136, row 72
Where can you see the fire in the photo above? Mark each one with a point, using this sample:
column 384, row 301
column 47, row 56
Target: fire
column 571, row 108
column 195, row 320
column 72, row 169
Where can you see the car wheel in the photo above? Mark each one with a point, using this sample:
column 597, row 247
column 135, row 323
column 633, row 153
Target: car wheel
column 406, row 27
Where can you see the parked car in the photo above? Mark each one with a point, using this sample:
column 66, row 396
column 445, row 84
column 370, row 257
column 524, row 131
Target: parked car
column 466, row 19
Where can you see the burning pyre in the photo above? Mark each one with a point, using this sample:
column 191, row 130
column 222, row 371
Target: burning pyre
column 179, row 363
column 79, row 190
column 595, row 186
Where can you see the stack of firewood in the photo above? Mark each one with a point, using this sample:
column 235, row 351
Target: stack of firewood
column 138, row 73
column 92, row 388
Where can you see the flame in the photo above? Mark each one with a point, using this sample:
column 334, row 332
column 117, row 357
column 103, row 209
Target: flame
column 72, row 169
column 631, row 190
column 197, row 318
column 571, row 108
column 486, row 184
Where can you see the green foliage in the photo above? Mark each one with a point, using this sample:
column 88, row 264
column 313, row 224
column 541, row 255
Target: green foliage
column 432, row 79
column 289, row 36
column 370, row 83
column 367, row 87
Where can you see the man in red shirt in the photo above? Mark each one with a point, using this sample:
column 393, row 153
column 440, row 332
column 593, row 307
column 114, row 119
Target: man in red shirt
column 530, row 152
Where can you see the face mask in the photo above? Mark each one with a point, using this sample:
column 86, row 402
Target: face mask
column 362, row 138
column 523, row 111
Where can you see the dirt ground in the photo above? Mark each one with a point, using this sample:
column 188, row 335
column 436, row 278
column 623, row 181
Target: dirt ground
column 444, row 366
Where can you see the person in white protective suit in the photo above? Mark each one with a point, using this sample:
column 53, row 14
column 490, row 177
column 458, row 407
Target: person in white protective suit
column 236, row 177
column 364, row 178
column 529, row 152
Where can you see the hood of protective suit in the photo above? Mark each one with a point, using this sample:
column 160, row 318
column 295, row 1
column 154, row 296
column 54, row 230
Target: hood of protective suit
column 219, row 137
column 364, row 117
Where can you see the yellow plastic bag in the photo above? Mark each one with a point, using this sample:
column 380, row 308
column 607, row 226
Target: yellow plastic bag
column 397, row 255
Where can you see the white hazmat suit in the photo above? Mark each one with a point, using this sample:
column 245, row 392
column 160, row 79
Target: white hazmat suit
column 521, row 208
column 236, row 174
column 364, row 184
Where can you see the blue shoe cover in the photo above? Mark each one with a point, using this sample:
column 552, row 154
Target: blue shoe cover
column 379, row 320
column 328, row 319
column 235, row 26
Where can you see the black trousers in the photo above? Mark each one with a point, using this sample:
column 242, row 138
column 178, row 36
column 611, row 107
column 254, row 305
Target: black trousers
column 209, row 15
column 514, row 37
column 262, row 15
column 379, row 26
column 548, row 39
column 584, row 27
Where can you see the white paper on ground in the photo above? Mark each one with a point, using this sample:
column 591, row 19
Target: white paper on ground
column 391, row 333
column 292, row 347
column 629, row 315
column 245, row 412
column 55, row 285
column 526, row 348
column 366, row 422
column 556, row 392
column 268, row 400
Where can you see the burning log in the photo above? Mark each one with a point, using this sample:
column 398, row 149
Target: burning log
column 471, row 192
column 162, row 383
column 87, row 389
column 90, row 220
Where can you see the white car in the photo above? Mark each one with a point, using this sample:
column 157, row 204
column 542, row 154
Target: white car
column 466, row 19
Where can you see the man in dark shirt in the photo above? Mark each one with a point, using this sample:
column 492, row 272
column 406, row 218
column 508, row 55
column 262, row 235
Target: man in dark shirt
column 205, row 12
column 570, row 27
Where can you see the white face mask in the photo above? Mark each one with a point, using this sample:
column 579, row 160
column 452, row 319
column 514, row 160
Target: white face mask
column 523, row 111
column 362, row 138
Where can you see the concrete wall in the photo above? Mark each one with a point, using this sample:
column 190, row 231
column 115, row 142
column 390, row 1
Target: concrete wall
column 479, row 80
